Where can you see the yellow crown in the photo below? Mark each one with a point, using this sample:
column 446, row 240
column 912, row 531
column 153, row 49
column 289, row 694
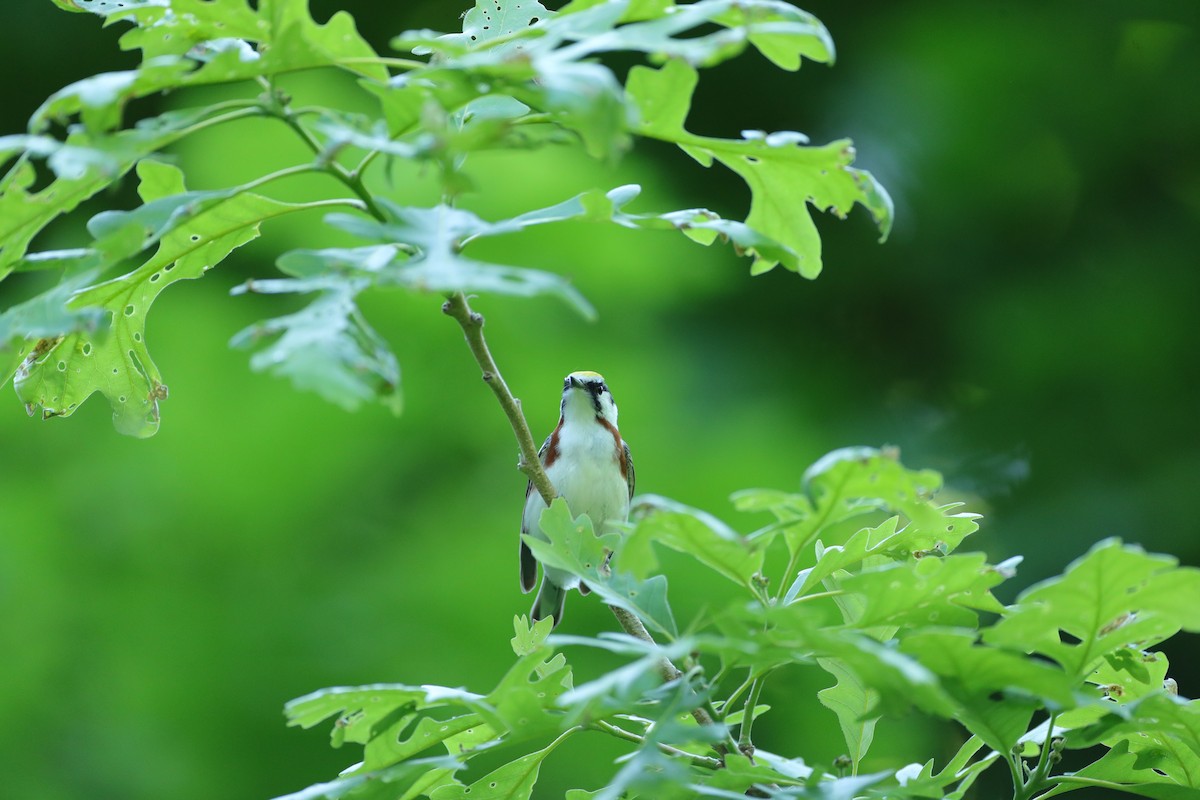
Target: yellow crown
column 585, row 375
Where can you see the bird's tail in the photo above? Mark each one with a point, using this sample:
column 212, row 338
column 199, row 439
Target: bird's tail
column 549, row 602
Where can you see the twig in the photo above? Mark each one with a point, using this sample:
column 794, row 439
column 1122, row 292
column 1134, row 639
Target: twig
column 471, row 323
column 629, row 736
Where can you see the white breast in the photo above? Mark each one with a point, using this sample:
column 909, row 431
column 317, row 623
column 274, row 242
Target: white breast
column 587, row 474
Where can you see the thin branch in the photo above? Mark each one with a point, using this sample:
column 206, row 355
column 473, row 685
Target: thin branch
column 745, row 743
column 629, row 736
column 471, row 323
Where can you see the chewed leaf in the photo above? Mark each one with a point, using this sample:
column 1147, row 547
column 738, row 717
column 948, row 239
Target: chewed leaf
column 60, row 374
column 190, row 43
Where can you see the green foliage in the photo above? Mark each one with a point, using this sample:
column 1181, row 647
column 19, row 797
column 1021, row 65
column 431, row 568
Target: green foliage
column 857, row 579
column 895, row 621
column 518, row 76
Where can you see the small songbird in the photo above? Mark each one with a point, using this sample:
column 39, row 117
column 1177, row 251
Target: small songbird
column 589, row 464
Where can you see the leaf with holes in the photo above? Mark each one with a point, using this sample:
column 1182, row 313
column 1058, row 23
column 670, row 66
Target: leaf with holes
column 1115, row 596
column 513, row 781
column 197, row 42
column 84, row 164
column 58, row 377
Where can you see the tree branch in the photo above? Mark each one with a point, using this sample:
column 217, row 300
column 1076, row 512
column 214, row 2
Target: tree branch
column 471, row 323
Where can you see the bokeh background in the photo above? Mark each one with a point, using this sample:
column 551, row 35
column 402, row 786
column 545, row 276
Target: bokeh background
column 1031, row 329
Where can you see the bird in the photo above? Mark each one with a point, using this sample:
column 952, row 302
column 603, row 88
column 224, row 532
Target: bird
column 591, row 468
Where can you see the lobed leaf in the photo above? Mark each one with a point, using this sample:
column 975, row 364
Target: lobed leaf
column 1115, row 596
column 328, row 347
column 512, row 781
column 60, row 374
column 198, row 42
column 693, row 532
column 783, row 175
column 571, row 545
column 84, row 164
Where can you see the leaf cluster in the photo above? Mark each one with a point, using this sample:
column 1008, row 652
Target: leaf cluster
column 877, row 595
column 518, row 76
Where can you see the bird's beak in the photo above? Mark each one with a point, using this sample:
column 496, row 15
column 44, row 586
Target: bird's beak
column 575, row 383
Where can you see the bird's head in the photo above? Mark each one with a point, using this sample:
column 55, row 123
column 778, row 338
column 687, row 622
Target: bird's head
column 586, row 396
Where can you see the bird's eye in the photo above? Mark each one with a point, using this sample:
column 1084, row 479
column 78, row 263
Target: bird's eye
column 603, row 388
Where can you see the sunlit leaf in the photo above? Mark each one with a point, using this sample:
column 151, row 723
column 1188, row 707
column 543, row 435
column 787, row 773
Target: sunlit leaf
column 513, row 781
column 572, row 546
column 1115, row 596
column 117, row 364
column 783, row 174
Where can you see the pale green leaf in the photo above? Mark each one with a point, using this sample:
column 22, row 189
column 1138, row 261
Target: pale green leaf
column 435, row 237
column 852, row 701
column 328, row 347
column 571, row 545
column 197, row 42
column 84, row 165
column 783, row 174
column 385, row 784
column 1115, row 596
column 117, row 364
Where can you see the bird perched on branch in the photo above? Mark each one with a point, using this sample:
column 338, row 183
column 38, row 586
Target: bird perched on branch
column 591, row 468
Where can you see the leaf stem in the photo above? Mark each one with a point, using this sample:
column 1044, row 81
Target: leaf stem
column 471, row 323
column 325, row 162
column 630, row 736
column 745, row 743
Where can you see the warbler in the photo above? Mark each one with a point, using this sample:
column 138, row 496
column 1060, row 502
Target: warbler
column 591, row 468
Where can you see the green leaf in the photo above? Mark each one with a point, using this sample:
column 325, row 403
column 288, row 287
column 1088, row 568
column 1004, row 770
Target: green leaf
column 695, row 533
column 996, row 690
column 327, row 347
column 436, row 237
column 529, row 639
column 573, row 546
column 1141, row 767
column 782, row 173
column 512, row 781
column 28, row 330
column 1115, row 596
column 85, row 164
column 118, row 364
column 198, row 42
column 762, row 637
column 852, row 701
column 927, row 591
column 385, row 784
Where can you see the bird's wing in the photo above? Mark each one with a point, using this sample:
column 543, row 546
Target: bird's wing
column 528, row 562
column 629, row 476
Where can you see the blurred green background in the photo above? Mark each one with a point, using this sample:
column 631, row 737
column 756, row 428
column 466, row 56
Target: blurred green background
column 1030, row 329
